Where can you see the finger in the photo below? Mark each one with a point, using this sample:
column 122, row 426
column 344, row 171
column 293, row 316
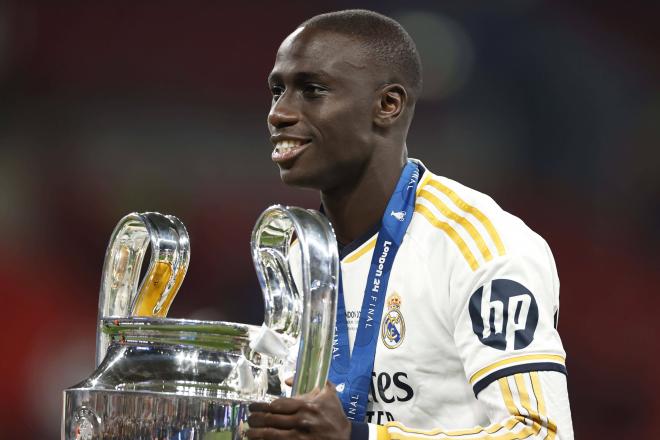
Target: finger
column 279, row 421
column 309, row 395
column 276, row 434
column 289, row 381
column 259, row 407
column 280, row 406
column 330, row 387
column 269, row 434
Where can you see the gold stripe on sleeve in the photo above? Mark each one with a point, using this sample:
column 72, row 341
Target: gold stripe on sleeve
column 381, row 433
column 524, row 395
column 451, row 232
column 527, row 431
column 444, row 209
column 399, row 432
column 508, row 397
column 524, row 399
column 538, row 394
column 530, row 357
column 485, row 432
column 471, row 210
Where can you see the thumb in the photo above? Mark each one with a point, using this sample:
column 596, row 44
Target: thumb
column 329, row 386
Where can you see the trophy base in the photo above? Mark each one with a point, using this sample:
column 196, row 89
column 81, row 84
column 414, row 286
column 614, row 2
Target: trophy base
column 114, row 415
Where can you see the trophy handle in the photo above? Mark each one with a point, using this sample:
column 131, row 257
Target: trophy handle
column 273, row 256
column 170, row 255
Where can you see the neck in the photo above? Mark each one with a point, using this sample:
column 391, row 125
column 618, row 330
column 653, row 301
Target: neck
column 354, row 209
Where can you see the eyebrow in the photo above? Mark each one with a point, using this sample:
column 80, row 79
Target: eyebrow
column 299, row 77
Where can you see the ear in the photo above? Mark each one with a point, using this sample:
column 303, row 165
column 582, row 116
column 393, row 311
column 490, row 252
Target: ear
column 392, row 100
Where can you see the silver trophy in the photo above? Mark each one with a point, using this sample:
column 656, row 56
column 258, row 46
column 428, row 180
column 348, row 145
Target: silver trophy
column 162, row 378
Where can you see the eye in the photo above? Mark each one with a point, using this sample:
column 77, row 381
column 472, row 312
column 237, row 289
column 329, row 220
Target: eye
column 276, row 91
column 314, row 90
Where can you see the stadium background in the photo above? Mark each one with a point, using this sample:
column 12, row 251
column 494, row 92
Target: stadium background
column 553, row 108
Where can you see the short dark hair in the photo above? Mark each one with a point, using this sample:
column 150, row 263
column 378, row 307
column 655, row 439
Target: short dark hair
column 384, row 38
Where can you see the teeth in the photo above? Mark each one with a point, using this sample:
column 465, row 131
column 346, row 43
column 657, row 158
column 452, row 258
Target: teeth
column 285, row 145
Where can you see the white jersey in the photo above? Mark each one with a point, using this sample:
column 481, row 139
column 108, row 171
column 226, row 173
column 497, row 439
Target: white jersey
column 468, row 343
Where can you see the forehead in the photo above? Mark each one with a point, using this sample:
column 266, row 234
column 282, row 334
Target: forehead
column 330, row 53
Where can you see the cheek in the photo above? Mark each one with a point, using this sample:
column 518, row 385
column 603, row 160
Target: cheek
column 351, row 123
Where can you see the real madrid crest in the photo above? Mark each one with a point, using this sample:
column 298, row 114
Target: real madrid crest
column 393, row 327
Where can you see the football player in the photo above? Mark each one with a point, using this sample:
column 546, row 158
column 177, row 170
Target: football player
column 446, row 323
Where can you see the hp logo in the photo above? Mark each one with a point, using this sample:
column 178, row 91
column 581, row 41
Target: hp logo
column 504, row 315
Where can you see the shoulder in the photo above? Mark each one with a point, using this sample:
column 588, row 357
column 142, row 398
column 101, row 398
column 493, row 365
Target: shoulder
column 477, row 229
column 482, row 244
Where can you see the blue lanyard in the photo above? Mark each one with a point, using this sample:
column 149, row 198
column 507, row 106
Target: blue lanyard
column 351, row 372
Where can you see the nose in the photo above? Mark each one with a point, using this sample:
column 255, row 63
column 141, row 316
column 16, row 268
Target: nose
column 283, row 112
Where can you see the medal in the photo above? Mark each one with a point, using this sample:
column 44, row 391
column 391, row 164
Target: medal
column 351, row 372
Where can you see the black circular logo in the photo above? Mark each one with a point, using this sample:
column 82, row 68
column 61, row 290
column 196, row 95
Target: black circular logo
column 504, row 315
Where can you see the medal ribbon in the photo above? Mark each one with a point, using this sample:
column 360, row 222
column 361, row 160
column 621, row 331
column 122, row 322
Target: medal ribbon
column 351, row 372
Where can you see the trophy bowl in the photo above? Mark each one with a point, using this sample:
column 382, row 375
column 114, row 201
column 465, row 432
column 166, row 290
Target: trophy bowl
column 163, row 378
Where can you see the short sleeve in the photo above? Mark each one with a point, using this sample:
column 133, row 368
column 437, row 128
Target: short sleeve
column 505, row 314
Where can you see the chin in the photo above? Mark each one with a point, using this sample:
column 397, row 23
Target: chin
column 292, row 177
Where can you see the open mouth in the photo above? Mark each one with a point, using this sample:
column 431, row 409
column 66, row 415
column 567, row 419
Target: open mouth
column 288, row 149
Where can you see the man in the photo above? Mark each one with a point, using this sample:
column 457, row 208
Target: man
column 447, row 311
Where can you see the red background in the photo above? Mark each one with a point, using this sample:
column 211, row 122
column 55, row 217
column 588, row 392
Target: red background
column 111, row 107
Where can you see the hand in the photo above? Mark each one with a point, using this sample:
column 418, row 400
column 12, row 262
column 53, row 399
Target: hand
column 317, row 415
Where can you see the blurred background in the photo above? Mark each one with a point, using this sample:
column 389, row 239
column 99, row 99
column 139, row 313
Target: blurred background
column 108, row 107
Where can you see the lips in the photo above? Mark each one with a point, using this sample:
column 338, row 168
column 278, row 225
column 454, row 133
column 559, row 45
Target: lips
column 287, row 150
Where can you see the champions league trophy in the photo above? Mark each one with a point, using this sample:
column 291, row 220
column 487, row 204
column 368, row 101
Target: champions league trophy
column 162, row 378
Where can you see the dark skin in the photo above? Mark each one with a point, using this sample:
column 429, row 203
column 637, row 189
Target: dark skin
column 351, row 116
column 328, row 91
column 316, row 415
